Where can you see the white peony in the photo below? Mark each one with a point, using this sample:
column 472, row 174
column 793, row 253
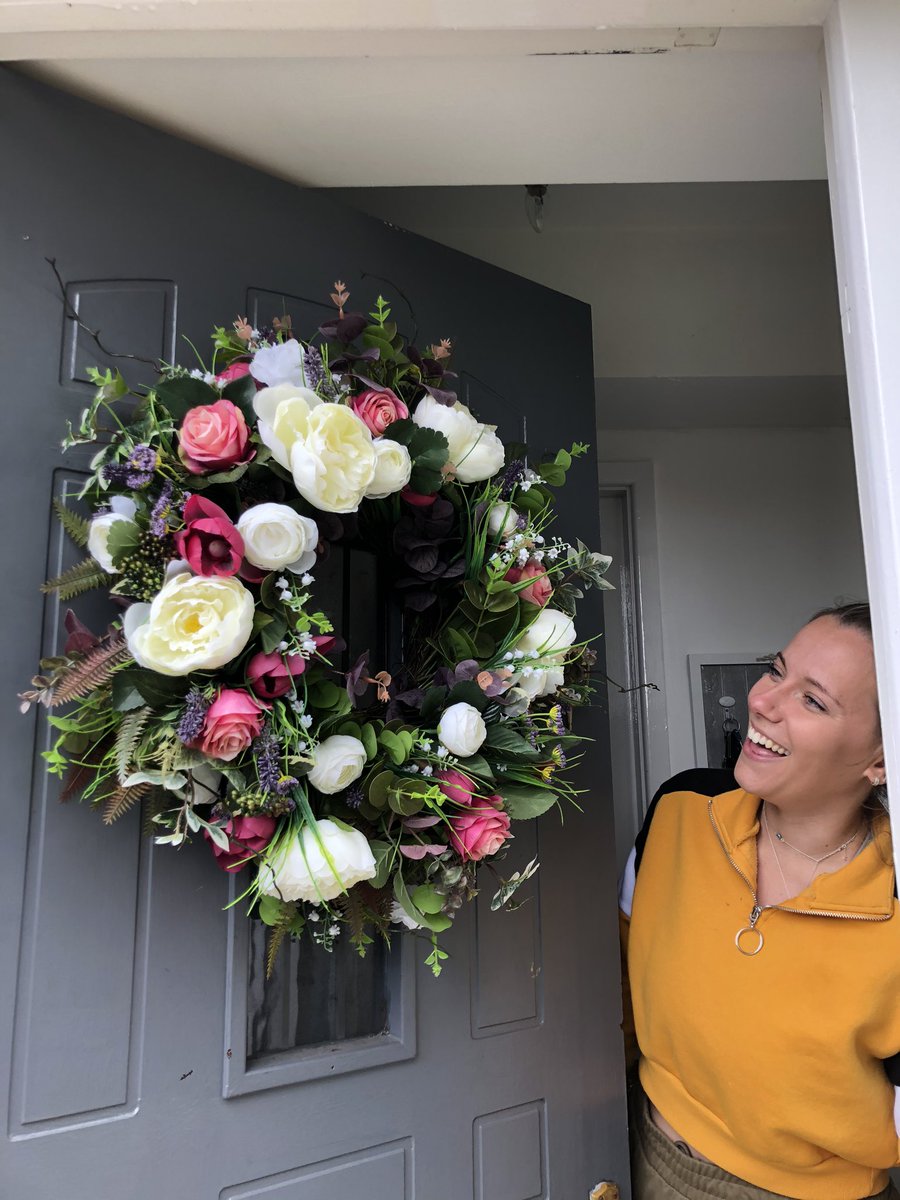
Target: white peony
column 282, row 415
column 302, row 872
column 123, row 509
column 282, row 363
column 339, row 760
column 333, row 462
column 195, row 623
column 549, row 636
column 475, row 450
column 502, row 521
column 276, row 538
column 461, row 729
column 393, row 467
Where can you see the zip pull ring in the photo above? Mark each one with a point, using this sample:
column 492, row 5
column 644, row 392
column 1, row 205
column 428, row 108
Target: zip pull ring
column 741, row 937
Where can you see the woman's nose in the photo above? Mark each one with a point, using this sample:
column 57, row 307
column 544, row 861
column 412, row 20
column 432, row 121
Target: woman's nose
column 763, row 700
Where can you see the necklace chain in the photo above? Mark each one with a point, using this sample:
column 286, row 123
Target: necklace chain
column 812, row 858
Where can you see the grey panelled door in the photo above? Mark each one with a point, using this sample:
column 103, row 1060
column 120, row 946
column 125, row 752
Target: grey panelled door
column 145, row 1059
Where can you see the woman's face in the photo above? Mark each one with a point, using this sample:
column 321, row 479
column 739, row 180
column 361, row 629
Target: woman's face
column 819, row 706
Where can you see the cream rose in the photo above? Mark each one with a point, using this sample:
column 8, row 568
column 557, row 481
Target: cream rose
column 502, row 521
column 276, row 538
column 195, row 623
column 302, row 872
column 282, row 414
column 339, row 760
column 475, row 450
column 333, row 462
column 549, row 636
column 461, row 729
column 393, row 467
column 123, row 509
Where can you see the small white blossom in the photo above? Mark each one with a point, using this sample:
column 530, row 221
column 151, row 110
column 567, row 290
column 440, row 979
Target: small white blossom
column 517, row 654
column 413, row 768
column 307, row 579
column 334, row 930
column 281, row 582
column 306, row 720
column 298, row 706
column 282, row 646
column 526, row 671
column 428, row 769
column 442, row 751
column 308, row 644
column 313, row 916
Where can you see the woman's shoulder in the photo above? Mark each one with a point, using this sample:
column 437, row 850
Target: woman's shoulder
column 696, row 783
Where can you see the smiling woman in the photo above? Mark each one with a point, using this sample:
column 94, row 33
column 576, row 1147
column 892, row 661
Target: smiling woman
column 768, row 1047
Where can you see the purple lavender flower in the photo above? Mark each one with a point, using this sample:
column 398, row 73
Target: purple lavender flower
column 191, row 724
column 268, row 761
column 161, row 511
column 313, row 367
column 116, row 474
column 511, row 476
column 286, row 784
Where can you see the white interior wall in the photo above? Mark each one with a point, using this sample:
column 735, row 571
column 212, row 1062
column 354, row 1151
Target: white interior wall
column 756, row 529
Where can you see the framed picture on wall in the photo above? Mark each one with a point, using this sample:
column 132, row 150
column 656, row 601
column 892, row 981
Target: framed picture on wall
column 719, row 687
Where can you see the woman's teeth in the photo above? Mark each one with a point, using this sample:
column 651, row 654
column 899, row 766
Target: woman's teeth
column 755, row 736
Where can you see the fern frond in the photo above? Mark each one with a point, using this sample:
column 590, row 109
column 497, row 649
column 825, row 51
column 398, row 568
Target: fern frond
column 75, row 526
column 277, row 935
column 91, row 671
column 121, row 800
column 158, row 801
column 127, row 738
column 82, row 577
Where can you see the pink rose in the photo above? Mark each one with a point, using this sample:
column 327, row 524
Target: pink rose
column 539, row 590
column 246, row 837
column 232, row 721
column 481, row 831
column 378, row 410
column 271, row 675
column 213, row 437
column 457, row 787
column 237, row 370
column 209, row 541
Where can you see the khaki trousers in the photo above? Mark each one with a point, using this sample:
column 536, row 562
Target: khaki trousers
column 660, row 1171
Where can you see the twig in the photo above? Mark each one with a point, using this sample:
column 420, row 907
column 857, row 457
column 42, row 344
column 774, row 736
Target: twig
column 72, row 314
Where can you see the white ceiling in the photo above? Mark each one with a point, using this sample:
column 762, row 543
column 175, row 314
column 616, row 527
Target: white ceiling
column 470, row 99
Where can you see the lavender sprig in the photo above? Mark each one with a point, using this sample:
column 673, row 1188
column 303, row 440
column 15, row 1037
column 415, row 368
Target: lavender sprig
column 192, row 720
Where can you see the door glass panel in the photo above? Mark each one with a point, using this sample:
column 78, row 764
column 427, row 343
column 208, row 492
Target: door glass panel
column 315, row 996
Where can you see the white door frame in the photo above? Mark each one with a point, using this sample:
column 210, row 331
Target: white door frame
column 861, row 102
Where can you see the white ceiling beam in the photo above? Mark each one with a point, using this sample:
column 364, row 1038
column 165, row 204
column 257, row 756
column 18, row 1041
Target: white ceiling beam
column 352, row 17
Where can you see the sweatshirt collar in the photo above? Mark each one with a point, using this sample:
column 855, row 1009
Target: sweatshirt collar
column 864, row 887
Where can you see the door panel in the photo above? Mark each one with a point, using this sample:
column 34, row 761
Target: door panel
column 124, row 981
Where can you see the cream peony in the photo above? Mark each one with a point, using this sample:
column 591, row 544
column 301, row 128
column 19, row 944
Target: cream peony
column 549, row 636
column 461, row 729
column 393, row 467
column 123, row 509
column 302, row 872
column 283, row 412
column 333, row 463
column 195, row 623
column 502, row 521
column 276, row 538
column 475, row 450
column 339, row 760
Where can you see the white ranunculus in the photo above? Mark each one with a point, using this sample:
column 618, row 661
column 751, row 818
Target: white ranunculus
column 339, row 761
column 194, row 623
column 283, row 412
column 475, row 450
column 393, row 467
column 123, row 509
column 282, row 363
column 481, row 458
column 277, row 539
column 333, row 463
column 549, row 636
column 461, row 729
column 502, row 521
column 302, row 872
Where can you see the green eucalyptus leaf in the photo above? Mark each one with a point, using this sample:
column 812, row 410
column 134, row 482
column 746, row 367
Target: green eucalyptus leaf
column 427, row 900
column 523, row 801
column 179, row 395
column 509, row 744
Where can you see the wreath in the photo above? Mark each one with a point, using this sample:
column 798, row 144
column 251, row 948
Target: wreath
column 354, row 797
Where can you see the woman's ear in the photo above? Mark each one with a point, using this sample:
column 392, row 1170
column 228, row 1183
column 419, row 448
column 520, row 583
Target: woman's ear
column 875, row 772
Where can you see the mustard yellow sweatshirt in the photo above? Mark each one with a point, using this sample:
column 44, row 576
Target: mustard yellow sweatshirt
column 777, row 1066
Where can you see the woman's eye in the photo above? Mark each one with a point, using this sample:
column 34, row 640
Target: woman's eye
column 814, row 703
column 773, row 671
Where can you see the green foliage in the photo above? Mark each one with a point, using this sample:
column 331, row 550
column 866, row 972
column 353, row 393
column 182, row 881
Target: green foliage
column 83, row 577
column 77, row 527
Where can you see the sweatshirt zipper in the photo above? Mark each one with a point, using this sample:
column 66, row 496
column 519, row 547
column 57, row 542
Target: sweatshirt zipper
column 758, row 909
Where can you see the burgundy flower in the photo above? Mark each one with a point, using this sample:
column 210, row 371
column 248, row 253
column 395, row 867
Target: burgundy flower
column 271, row 675
column 246, row 837
column 209, row 541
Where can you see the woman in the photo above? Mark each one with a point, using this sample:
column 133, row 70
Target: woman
column 763, row 946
